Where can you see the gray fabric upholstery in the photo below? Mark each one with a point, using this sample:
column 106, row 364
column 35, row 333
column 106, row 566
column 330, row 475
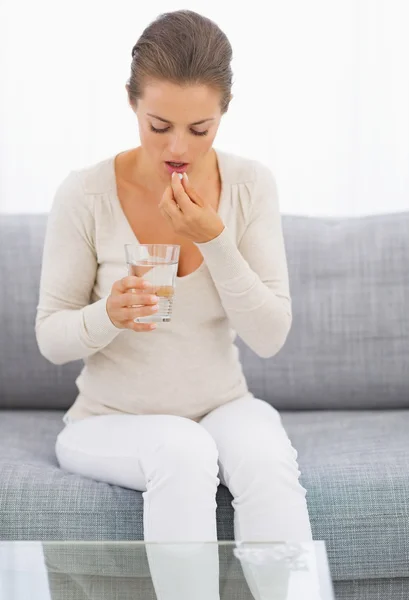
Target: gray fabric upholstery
column 356, row 473
column 372, row 589
column 349, row 343
column 27, row 380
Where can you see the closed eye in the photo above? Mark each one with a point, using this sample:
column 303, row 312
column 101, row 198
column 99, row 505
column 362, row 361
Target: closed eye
column 159, row 130
column 199, row 132
column 165, row 129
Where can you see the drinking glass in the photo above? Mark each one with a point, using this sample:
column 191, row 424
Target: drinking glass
column 158, row 264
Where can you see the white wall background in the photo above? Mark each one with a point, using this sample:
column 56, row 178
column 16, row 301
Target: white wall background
column 321, row 95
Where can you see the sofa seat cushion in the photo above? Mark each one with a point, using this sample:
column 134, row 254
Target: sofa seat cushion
column 40, row 501
column 354, row 465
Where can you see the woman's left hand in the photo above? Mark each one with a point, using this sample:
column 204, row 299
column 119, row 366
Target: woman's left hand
column 189, row 215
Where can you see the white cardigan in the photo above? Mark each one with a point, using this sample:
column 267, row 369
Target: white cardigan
column 186, row 367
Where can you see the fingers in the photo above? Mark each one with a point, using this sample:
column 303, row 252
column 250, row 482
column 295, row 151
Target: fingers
column 180, row 196
column 130, row 314
column 168, row 205
column 124, row 306
column 129, row 283
column 171, row 212
column 141, row 327
column 137, row 299
column 194, row 197
column 124, row 317
column 169, row 209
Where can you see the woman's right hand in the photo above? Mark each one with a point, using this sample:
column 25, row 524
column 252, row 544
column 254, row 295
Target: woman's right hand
column 125, row 294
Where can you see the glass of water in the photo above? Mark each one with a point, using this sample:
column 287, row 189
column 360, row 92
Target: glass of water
column 158, row 264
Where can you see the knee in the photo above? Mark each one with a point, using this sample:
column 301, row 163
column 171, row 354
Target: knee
column 266, row 465
column 187, row 449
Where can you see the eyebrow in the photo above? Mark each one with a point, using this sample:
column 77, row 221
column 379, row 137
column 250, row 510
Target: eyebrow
column 166, row 121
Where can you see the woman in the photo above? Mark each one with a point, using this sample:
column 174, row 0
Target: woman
column 167, row 411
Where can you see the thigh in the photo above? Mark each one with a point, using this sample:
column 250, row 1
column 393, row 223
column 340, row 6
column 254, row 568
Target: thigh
column 247, row 430
column 120, row 449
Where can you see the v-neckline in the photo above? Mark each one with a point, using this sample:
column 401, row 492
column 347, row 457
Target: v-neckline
column 219, row 157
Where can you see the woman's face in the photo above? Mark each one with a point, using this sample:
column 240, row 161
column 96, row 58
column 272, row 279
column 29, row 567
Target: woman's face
column 177, row 125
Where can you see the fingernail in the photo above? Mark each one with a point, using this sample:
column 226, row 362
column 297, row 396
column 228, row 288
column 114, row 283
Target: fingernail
column 185, row 176
column 180, row 175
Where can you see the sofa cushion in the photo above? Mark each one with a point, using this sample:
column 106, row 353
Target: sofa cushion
column 27, row 380
column 354, row 465
column 349, row 342
column 39, row 501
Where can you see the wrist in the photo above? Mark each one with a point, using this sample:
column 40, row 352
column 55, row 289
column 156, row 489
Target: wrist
column 214, row 234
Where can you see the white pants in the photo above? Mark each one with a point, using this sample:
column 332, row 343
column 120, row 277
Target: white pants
column 177, row 464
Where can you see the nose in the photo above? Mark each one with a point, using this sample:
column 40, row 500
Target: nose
column 178, row 146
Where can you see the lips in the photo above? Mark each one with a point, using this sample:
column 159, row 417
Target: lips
column 177, row 167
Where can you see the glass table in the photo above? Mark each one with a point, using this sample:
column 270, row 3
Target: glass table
column 136, row 570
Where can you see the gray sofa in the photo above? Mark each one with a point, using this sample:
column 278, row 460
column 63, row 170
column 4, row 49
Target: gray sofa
column 341, row 384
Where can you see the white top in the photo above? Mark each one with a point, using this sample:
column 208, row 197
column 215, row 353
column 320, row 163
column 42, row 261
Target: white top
column 186, row 367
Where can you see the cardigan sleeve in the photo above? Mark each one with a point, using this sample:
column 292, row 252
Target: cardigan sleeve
column 252, row 277
column 68, row 325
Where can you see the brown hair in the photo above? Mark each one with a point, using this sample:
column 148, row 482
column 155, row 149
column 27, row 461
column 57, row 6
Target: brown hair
column 185, row 48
